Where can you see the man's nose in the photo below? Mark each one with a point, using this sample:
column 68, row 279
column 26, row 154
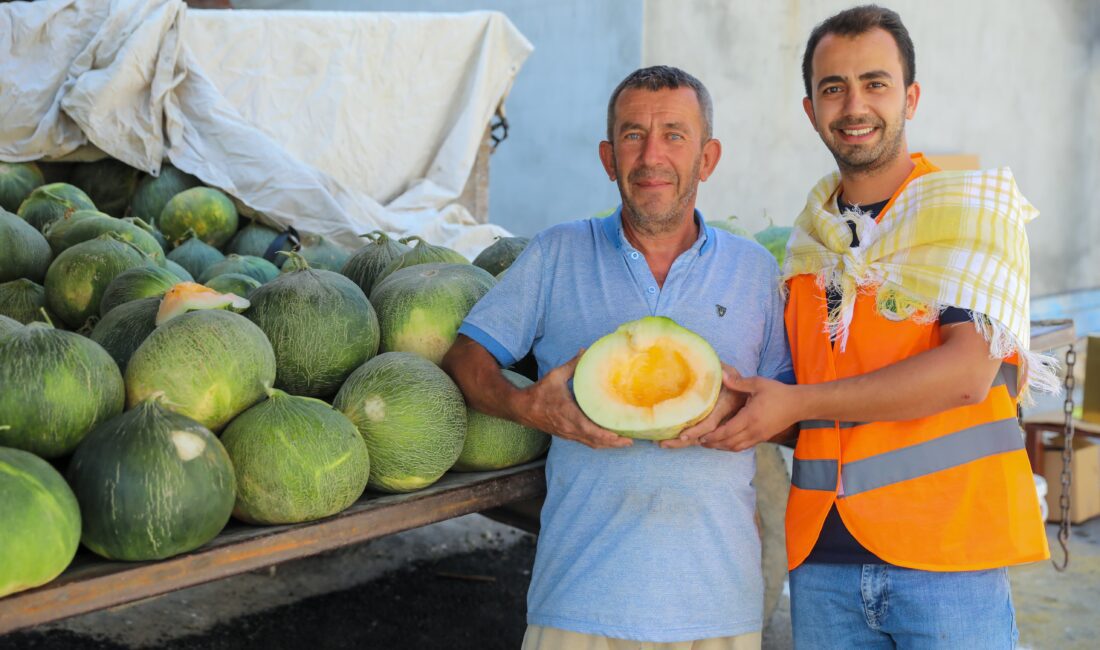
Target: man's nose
column 855, row 102
column 653, row 149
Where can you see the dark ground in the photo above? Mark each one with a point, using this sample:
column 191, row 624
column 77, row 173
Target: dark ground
column 469, row 601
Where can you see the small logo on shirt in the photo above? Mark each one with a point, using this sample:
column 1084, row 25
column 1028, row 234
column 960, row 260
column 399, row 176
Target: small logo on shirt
column 721, row 310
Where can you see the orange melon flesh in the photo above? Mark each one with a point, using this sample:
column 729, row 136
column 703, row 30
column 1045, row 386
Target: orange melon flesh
column 649, row 379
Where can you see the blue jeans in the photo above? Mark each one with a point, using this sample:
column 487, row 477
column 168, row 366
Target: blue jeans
column 883, row 606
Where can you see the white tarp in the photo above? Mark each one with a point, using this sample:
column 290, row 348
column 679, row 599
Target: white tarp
column 337, row 123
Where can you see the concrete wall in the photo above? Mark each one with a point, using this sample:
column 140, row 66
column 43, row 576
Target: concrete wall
column 1015, row 81
column 548, row 170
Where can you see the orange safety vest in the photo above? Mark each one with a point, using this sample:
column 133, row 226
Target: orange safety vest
column 948, row 492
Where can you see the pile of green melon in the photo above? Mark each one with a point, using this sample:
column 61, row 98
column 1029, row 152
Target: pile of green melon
column 166, row 365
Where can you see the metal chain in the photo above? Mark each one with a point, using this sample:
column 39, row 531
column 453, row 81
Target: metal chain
column 1067, row 460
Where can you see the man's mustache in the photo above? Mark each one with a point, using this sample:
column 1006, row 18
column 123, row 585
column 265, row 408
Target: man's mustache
column 852, row 120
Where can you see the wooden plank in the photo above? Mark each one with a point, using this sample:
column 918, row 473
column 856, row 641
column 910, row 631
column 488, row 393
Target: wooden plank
column 91, row 583
column 1050, row 334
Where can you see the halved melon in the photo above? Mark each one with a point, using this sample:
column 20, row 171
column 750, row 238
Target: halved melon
column 649, row 379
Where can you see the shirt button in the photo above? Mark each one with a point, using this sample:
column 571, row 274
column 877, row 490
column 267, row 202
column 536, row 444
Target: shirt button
column 652, row 289
column 634, row 256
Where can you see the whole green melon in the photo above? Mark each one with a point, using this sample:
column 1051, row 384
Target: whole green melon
column 296, row 459
column 323, row 253
column 774, row 238
column 24, row 301
column 731, row 225
column 17, row 181
column 54, row 387
column 64, row 235
column 422, row 253
column 496, row 443
column 109, row 183
column 235, row 283
column 367, row 263
column 149, row 281
column 154, row 192
column 195, row 255
column 411, row 415
column 41, row 522
column 421, row 307
column 76, row 280
column 49, row 203
column 254, row 267
column 320, row 325
column 24, row 252
column 8, row 325
column 210, row 213
column 254, row 239
column 211, row 365
column 151, row 484
column 125, row 327
column 499, row 255
column 180, row 272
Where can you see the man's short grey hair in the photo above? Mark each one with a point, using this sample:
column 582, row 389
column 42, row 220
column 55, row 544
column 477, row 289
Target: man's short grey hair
column 663, row 77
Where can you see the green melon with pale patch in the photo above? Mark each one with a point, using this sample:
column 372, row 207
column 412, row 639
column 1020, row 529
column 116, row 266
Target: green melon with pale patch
column 207, row 211
column 421, row 307
column 296, row 459
column 154, row 192
column 495, row 443
column 79, row 275
column 41, row 520
column 55, row 386
column 411, row 415
column 24, row 252
column 211, row 366
column 17, row 181
column 320, row 325
column 151, row 484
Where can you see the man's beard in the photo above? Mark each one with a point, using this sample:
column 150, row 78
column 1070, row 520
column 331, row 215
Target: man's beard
column 657, row 222
column 866, row 160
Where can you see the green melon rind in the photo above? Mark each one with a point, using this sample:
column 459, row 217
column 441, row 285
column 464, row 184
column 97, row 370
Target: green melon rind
column 211, row 364
column 151, row 484
column 195, row 256
column 234, row 283
column 495, row 443
column 411, row 415
column 254, row 239
column 367, row 263
column 70, row 234
column 179, row 271
column 254, row 267
column 109, row 183
column 17, row 181
column 296, row 459
column 590, row 393
column 499, row 255
column 76, row 280
column 24, row 252
column 123, row 329
column 8, row 325
column 41, row 519
column 154, row 192
column 420, row 308
column 207, row 211
column 133, row 284
column 23, row 301
column 51, row 202
column 774, row 238
column 322, row 253
column 421, row 253
column 56, row 386
column 321, row 328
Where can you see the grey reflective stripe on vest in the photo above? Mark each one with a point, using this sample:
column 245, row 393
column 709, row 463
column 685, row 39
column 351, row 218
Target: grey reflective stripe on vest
column 1007, row 375
column 932, row 456
column 814, row 475
column 808, row 425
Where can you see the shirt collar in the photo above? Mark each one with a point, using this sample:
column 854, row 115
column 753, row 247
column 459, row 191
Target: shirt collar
column 613, row 230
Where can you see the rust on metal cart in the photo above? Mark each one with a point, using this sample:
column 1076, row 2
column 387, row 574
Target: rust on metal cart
column 91, row 584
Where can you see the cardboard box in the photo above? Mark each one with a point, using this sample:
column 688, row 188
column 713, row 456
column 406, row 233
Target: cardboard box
column 1084, row 488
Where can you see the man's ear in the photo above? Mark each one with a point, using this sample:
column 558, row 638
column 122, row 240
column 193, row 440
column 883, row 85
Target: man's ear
column 808, row 106
column 912, row 97
column 607, row 157
column 712, row 152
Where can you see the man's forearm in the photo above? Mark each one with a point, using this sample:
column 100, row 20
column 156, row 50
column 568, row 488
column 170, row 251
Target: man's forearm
column 478, row 376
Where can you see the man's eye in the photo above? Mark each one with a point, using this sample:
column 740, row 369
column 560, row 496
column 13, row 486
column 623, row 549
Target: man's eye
column 632, row 136
column 675, row 136
column 831, row 90
column 877, row 84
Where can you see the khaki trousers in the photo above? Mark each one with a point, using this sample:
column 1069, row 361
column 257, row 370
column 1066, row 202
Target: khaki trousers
column 552, row 638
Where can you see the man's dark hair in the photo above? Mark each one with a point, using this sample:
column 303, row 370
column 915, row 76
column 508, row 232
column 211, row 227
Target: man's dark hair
column 663, row 77
column 856, row 21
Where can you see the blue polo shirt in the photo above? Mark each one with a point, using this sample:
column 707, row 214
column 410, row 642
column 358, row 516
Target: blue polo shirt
column 641, row 543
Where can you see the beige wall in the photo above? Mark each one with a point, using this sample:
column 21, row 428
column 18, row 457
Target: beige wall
column 1015, row 81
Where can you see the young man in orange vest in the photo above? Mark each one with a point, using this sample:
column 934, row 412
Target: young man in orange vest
column 907, row 320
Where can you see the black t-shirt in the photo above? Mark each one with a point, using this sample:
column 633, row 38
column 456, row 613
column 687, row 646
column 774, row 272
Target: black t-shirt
column 835, row 545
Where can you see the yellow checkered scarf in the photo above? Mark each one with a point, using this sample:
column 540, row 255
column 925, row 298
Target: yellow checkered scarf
column 953, row 238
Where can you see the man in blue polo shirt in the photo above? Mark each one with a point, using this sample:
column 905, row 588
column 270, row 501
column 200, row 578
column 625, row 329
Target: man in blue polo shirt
column 639, row 541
